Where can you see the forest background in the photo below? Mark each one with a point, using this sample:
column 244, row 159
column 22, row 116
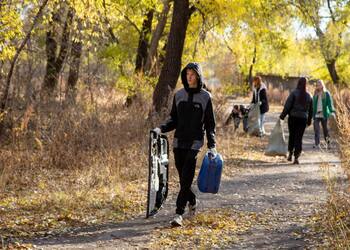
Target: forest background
column 83, row 81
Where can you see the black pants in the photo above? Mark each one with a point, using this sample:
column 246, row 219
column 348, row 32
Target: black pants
column 185, row 162
column 296, row 127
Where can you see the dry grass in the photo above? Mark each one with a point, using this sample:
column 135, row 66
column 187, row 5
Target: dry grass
column 336, row 220
column 72, row 167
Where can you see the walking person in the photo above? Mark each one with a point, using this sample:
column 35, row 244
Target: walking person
column 299, row 108
column 260, row 97
column 191, row 116
column 323, row 109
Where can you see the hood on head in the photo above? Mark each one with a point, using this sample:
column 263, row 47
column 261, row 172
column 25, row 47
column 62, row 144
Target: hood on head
column 197, row 68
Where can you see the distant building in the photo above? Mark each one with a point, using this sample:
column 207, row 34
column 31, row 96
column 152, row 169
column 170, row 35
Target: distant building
column 280, row 82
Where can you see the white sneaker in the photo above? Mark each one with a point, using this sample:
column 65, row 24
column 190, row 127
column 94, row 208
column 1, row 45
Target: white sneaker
column 177, row 221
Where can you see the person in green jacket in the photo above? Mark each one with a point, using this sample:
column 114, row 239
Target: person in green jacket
column 322, row 110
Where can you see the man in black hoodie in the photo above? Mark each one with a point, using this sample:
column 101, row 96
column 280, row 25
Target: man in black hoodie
column 191, row 116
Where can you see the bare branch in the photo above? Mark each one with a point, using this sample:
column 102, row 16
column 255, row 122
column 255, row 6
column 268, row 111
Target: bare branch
column 129, row 20
column 228, row 46
column 110, row 30
column 331, row 11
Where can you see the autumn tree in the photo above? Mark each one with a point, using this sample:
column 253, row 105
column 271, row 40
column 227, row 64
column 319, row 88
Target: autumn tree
column 17, row 53
column 156, row 36
column 56, row 47
column 329, row 27
column 172, row 64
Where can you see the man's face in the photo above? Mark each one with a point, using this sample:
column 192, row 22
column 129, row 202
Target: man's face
column 191, row 76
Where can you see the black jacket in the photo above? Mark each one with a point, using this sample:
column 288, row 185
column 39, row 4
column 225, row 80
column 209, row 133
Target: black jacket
column 260, row 95
column 294, row 108
column 191, row 115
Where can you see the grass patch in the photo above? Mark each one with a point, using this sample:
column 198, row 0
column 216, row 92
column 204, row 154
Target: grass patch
column 335, row 218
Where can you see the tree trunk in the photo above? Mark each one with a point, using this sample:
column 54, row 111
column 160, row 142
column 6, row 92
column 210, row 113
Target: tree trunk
column 330, row 60
column 156, row 37
column 172, row 64
column 50, row 80
column 29, row 90
column 54, row 64
column 333, row 71
column 75, row 54
column 142, row 50
column 1, row 65
column 18, row 52
column 250, row 76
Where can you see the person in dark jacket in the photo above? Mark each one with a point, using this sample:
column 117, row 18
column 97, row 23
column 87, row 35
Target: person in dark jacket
column 322, row 110
column 235, row 115
column 260, row 97
column 299, row 109
column 191, row 116
column 244, row 111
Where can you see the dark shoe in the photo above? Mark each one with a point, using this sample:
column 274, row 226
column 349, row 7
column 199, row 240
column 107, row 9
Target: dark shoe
column 296, row 161
column 289, row 158
column 155, row 211
column 262, row 134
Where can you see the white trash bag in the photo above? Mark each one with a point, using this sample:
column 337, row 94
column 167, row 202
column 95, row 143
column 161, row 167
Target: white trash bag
column 277, row 142
column 254, row 120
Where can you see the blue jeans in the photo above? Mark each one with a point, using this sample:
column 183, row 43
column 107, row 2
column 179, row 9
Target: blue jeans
column 261, row 124
column 317, row 129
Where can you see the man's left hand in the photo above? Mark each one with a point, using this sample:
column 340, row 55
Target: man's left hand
column 212, row 152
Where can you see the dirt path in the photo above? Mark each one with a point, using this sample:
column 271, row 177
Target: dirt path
column 287, row 195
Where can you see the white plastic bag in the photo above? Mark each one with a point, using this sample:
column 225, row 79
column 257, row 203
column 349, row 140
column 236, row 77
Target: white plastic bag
column 254, row 120
column 277, row 143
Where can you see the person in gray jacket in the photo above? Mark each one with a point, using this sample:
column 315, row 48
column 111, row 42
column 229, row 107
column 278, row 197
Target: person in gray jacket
column 298, row 107
column 191, row 116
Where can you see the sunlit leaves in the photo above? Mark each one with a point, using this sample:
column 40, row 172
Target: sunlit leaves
column 10, row 29
column 214, row 228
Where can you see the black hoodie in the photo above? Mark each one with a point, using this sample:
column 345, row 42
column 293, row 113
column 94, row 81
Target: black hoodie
column 191, row 114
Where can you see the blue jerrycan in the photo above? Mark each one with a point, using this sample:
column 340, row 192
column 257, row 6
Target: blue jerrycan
column 210, row 174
